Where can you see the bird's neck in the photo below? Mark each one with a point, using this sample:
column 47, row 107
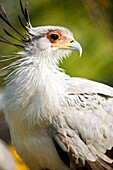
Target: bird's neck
column 37, row 91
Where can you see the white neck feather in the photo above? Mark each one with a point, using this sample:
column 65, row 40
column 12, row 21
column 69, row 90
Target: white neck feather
column 36, row 91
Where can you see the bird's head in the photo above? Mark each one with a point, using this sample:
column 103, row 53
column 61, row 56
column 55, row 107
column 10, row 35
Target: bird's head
column 50, row 42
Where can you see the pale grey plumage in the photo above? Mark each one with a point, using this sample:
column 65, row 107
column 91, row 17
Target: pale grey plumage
column 45, row 108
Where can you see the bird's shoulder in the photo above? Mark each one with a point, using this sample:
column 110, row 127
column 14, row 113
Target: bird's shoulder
column 82, row 85
column 89, row 95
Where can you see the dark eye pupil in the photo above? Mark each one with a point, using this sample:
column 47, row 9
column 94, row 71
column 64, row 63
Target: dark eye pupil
column 54, row 36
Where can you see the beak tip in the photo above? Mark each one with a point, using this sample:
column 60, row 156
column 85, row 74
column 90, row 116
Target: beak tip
column 77, row 47
column 80, row 51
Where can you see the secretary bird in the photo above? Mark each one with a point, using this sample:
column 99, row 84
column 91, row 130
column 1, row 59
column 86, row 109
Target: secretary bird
column 56, row 122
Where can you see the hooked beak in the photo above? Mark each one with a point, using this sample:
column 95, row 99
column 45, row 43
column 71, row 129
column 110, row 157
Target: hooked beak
column 74, row 45
column 71, row 45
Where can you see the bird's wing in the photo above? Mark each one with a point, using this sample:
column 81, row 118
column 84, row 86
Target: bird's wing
column 84, row 129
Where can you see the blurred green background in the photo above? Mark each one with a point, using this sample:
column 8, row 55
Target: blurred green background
column 91, row 21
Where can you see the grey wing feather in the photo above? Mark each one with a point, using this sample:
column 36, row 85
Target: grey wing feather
column 81, row 85
column 84, row 129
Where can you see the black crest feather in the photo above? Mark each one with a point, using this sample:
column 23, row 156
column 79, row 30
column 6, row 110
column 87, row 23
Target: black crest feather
column 4, row 17
column 25, row 12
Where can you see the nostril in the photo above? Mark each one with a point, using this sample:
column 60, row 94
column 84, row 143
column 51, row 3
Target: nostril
column 71, row 41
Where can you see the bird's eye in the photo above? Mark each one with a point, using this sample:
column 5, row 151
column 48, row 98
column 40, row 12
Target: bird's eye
column 54, row 37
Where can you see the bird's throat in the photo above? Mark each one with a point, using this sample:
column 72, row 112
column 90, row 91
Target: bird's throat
column 37, row 92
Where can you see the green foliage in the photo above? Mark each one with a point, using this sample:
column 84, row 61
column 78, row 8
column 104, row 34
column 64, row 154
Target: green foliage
column 91, row 23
